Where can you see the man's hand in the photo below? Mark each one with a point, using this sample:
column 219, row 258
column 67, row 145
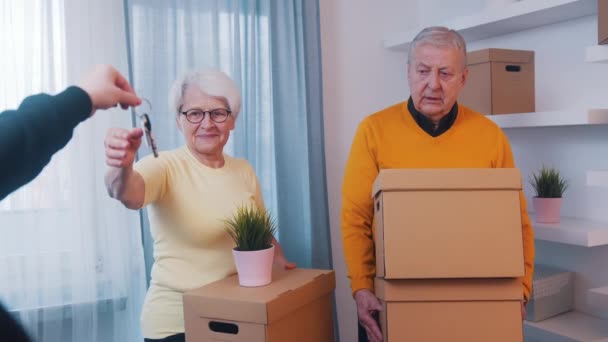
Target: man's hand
column 367, row 306
column 108, row 88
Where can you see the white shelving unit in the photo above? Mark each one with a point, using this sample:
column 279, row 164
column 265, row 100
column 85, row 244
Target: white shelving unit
column 598, row 297
column 518, row 16
column 597, row 54
column 572, row 231
column 597, row 178
column 571, row 326
column 552, row 119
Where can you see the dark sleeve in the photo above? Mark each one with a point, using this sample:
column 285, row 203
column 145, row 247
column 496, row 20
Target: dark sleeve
column 30, row 135
column 10, row 330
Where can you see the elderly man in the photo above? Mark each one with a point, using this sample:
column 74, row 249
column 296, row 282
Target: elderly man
column 430, row 130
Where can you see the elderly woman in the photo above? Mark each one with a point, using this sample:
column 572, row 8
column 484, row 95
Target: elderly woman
column 190, row 191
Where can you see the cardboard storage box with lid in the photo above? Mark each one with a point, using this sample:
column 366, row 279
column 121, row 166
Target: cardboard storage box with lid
column 449, row 254
column 297, row 306
column 448, row 223
column 500, row 81
column 451, row 310
column 602, row 22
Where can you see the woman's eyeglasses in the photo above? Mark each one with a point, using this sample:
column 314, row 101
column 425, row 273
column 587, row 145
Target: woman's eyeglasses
column 217, row 115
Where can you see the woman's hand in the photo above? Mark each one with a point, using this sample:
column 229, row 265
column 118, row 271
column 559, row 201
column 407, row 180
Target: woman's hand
column 121, row 146
column 282, row 262
column 279, row 257
column 122, row 182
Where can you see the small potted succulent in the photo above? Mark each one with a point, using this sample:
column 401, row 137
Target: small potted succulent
column 549, row 187
column 252, row 230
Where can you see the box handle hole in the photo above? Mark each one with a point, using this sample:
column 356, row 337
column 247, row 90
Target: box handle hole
column 513, row 68
column 377, row 205
column 224, row 328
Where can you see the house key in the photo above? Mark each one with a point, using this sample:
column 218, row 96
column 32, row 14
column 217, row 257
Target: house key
column 147, row 127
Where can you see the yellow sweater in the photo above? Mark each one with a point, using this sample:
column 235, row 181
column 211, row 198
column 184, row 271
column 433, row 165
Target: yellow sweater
column 391, row 138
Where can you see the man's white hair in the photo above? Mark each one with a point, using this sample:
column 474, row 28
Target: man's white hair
column 211, row 82
column 438, row 36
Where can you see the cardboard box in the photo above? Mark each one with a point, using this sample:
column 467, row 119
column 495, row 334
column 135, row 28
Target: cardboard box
column 296, row 306
column 448, row 223
column 552, row 293
column 451, row 310
column 500, row 82
column 602, row 22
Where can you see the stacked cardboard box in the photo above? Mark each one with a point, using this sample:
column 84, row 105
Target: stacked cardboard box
column 602, row 22
column 500, row 81
column 449, row 253
column 297, row 306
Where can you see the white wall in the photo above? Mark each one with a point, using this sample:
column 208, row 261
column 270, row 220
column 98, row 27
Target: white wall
column 564, row 80
column 359, row 78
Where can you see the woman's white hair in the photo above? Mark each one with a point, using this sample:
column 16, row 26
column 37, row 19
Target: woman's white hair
column 440, row 37
column 214, row 83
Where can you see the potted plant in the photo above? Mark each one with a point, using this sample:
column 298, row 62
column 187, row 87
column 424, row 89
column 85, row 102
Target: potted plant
column 549, row 187
column 252, row 230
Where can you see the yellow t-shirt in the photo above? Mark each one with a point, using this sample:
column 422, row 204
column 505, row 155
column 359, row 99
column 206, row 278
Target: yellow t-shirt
column 188, row 203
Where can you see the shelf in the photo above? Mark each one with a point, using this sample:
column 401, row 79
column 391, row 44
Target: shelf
column 552, row 119
column 597, row 178
column 598, row 297
column 597, row 54
column 572, row 231
column 518, row 16
column 571, row 326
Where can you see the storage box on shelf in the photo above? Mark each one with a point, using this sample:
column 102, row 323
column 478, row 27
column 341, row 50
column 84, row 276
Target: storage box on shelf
column 552, row 293
column 602, row 22
column 500, row 81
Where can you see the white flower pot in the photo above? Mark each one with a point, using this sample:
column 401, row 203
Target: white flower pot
column 254, row 268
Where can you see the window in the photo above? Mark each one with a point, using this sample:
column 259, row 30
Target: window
column 32, row 31
column 70, row 257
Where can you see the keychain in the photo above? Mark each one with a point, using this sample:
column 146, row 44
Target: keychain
column 147, row 127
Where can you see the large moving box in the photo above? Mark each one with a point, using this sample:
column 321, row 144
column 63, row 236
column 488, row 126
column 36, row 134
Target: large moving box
column 456, row 310
column 449, row 254
column 297, row 306
column 448, row 223
column 602, row 22
column 500, row 81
